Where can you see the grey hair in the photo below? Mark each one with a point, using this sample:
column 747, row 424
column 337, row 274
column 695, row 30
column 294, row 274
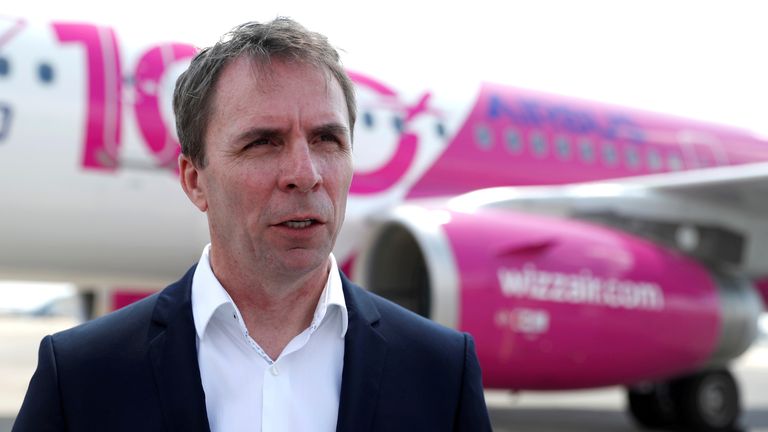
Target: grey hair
column 282, row 39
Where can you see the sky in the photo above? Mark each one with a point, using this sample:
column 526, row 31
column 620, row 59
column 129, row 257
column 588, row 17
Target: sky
column 700, row 59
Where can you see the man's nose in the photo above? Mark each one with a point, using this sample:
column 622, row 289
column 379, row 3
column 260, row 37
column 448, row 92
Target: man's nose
column 299, row 168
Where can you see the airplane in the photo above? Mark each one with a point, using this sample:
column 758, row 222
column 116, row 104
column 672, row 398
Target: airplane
column 581, row 244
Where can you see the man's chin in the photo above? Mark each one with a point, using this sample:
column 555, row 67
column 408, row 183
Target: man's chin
column 301, row 262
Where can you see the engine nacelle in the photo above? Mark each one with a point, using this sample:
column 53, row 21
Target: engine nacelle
column 559, row 304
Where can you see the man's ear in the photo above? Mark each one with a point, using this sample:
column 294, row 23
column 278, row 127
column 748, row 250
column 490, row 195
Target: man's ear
column 189, row 177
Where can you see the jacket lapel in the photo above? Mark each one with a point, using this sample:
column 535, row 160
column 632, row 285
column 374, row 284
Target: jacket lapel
column 173, row 353
column 364, row 358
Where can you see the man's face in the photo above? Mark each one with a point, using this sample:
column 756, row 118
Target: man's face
column 279, row 166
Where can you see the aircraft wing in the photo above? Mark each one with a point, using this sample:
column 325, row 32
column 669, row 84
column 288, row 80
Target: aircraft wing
column 725, row 208
column 737, row 186
column 719, row 215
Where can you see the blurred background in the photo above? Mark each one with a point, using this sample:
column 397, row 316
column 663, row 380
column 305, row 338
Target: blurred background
column 699, row 59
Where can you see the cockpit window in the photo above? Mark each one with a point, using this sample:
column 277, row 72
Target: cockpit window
column 5, row 67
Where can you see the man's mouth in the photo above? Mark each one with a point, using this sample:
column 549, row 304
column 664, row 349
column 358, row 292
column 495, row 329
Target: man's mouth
column 299, row 224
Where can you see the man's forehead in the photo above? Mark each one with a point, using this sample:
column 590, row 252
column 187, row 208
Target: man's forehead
column 268, row 76
column 267, row 72
column 237, row 101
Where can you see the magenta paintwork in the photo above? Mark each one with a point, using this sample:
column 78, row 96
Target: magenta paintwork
column 495, row 144
column 102, row 142
column 13, row 31
column 383, row 178
column 510, row 137
column 104, row 118
column 762, row 288
column 555, row 340
column 149, row 73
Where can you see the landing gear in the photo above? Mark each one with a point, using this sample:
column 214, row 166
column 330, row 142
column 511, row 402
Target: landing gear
column 651, row 405
column 706, row 401
column 87, row 304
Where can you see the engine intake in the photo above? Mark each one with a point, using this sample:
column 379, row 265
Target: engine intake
column 557, row 303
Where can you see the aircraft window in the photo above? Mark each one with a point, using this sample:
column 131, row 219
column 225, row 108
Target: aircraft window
column 512, row 140
column 45, row 73
column 703, row 163
column 674, row 162
column 586, row 150
column 368, row 119
column 654, row 160
column 609, row 154
column 483, row 137
column 538, row 143
column 563, row 147
column 440, row 129
column 633, row 159
column 5, row 67
column 398, row 123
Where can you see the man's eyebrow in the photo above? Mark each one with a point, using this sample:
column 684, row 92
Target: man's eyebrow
column 257, row 132
column 331, row 128
column 261, row 132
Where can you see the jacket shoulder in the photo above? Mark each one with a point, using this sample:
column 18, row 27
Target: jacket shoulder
column 107, row 333
column 127, row 330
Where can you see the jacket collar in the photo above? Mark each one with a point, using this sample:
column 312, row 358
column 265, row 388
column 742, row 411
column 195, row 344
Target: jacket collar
column 365, row 351
column 173, row 353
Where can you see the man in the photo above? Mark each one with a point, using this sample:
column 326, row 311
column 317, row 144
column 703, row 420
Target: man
column 264, row 333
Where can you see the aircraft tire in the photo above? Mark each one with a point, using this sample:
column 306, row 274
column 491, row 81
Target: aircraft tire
column 651, row 405
column 707, row 401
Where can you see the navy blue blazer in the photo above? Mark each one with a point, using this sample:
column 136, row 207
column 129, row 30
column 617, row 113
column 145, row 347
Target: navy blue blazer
column 136, row 370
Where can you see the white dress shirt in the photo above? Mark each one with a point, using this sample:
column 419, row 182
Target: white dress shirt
column 245, row 390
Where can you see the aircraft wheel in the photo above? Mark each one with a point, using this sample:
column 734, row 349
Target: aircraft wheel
column 707, row 401
column 651, row 405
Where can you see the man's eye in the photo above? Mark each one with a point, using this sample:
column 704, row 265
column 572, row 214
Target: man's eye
column 258, row 142
column 329, row 138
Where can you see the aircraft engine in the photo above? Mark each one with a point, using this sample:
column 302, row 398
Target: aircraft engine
column 556, row 303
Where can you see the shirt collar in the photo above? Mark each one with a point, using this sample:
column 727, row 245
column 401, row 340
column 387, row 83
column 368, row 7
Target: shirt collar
column 208, row 296
column 332, row 295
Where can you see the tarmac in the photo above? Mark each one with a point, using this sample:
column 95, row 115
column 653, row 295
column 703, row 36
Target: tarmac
column 594, row 410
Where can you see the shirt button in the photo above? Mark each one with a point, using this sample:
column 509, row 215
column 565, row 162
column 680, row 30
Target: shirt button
column 275, row 371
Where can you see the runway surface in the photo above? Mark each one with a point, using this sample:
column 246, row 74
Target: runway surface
column 594, row 410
